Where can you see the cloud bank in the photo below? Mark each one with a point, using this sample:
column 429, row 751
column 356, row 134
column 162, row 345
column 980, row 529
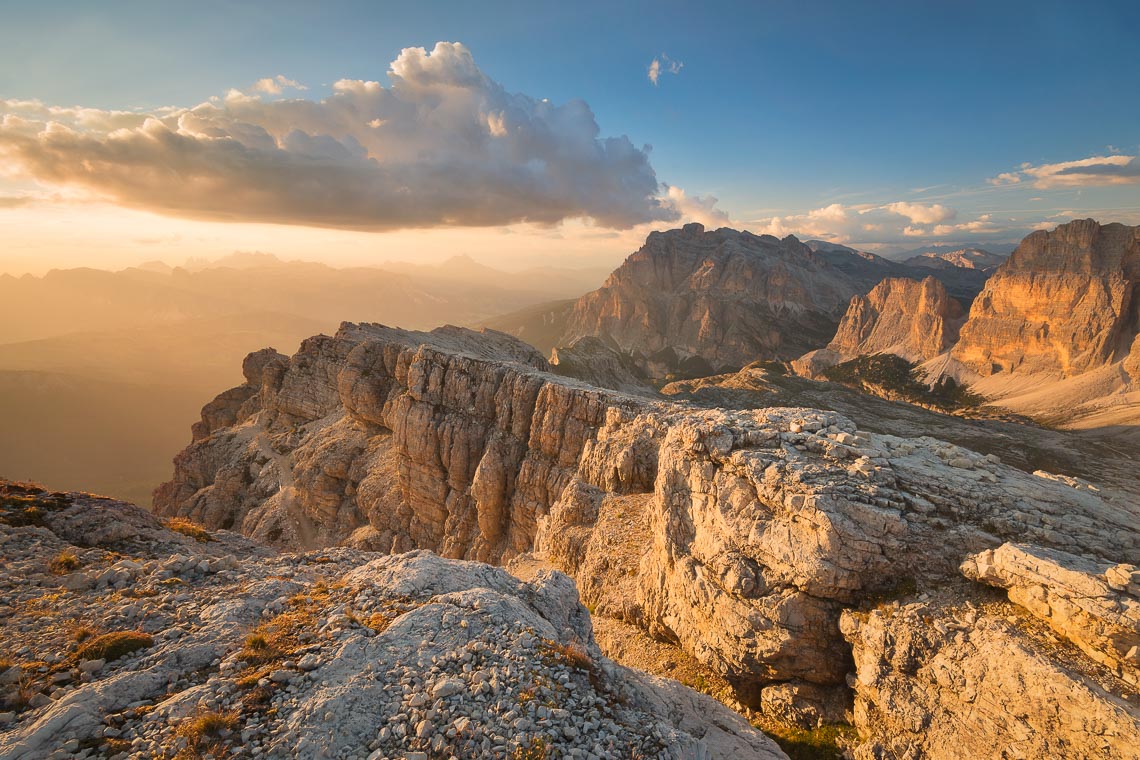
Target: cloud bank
column 897, row 222
column 441, row 145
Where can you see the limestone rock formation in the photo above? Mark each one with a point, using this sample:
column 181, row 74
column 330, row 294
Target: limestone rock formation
column 330, row 654
column 1065, row 302
column 1095, row 605
column 757, row 527
column 691, row 301
column 914, row 320
column 947, row 681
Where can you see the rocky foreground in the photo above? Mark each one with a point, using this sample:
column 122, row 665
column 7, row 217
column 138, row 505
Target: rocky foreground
column 125, row 637
column 753, row 539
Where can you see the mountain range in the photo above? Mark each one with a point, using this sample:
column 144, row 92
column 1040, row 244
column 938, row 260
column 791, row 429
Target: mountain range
column 798, row 478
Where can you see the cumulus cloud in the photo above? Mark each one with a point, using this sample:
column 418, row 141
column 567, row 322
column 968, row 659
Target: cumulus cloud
column 920, row 214
column 697, row 208
column 663, row 65
column 871, row 224
column 440, row 145
column 1087, row 172
column 276, row 85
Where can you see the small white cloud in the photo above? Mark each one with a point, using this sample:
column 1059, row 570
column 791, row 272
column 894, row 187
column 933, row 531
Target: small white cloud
column 696, row 208
column 663, row 65
column 276, row 85
column 1005, row 178
column 889, row 223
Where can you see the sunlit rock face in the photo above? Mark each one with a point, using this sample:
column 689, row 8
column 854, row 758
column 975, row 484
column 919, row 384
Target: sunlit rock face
column 914, row 320
column 694, row 302
column 1064, row 303
column 1095, row 605
column 746, row 533
column 690, row 300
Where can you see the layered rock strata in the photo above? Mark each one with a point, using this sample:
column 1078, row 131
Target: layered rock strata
column 1095, row 605
column 914, row 320
column 762, row 525
column 1065, row 302
column 691, row 301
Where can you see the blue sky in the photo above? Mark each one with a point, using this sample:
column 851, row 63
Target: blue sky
column 778, row 111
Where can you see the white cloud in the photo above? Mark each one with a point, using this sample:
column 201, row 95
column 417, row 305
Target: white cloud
column 1086, row 172
column 877, row 224
column 921, row 214
column 1005, row 178
column 697, row 208
column 276, row 85
column 441, row 145
column 663, row 64
column 983, row 224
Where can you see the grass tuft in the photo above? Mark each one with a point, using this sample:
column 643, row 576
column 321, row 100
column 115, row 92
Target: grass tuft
column 205, row 731
column 187, row 528
column 569, row 654
column 536, row 749
column 112, row 646
column 827, row 742
column 65, row 562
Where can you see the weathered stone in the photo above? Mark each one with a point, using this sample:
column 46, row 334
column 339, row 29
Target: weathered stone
column 1093, row 604
column 928, row 686
column 1062, row 304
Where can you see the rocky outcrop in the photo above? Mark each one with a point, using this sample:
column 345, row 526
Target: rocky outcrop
column 590, row 359
column 1064, row 303
column 758, row 526
column 914, row 320
column 330, row 654
column 1095, row 605
column 938, row 680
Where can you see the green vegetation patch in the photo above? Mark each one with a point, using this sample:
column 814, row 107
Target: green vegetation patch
column 892, row 376
column 827, row 742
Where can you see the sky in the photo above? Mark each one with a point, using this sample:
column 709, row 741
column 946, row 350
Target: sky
column 542, row 133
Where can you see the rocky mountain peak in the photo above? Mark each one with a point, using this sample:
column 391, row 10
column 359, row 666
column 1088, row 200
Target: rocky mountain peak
column 1064, row 303
column 692, row 301
column 914, row 320
column 1081, row 246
